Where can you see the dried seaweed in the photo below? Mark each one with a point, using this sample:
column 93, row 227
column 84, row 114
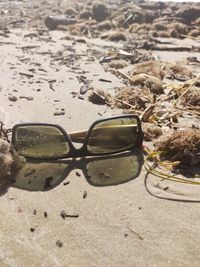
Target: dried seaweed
column 178, row 71
column 131, row 97
column 183, row 146
column 154, row 84
column 192, row 98
column 114, row 36
column 118, row 64
column 152, row 68
column 6, row 159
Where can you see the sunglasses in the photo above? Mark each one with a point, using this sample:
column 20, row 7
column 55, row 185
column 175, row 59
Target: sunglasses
column 50, row 141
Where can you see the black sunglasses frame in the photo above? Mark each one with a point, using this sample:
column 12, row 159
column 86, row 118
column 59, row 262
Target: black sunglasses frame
column 83, row 151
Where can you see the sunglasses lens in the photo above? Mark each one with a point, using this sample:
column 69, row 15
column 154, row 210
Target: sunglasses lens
column 113, row 135
column 40, row 141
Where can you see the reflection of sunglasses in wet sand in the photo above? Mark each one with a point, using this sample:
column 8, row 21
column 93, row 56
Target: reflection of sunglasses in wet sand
column 43, row 175
column 105, row 136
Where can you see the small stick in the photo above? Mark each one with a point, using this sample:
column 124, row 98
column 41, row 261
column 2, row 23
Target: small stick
column 26, row 74
column 124, row 102
column 135, row 233
column 123, row 75
column 147, row 113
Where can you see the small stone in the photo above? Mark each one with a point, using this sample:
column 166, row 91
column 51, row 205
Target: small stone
column 12, row 98
column 81, row 97
column 59, row 243
column 19, row 210
column 166, row 188
column 29, row 98
column 34, row 212
column 59, row 113
column 63, row 214
column 84, row 194
column 66, row 183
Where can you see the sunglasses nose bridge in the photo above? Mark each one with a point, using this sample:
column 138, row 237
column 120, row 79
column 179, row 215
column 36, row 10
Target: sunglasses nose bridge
column 79, row 152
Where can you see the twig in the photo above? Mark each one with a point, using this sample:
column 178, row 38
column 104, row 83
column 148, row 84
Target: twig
column 123, row 75
column 105, row 80
column 26, row 74
column 147, row 112
column 124, row 102
column 135, row 233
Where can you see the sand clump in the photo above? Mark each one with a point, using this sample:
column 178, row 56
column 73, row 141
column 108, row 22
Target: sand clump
column 182, row 145
column 151, row 131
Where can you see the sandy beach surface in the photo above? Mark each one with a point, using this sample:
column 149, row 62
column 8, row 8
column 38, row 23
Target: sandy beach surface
column 118, row 216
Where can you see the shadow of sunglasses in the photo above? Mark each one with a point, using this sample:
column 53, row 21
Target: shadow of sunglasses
column 42, row 175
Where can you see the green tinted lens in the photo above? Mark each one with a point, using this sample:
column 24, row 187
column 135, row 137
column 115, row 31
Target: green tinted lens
column 40, row 141
column 113, row 135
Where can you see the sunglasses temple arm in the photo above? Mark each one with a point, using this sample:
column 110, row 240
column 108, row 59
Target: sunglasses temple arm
column 79, row 137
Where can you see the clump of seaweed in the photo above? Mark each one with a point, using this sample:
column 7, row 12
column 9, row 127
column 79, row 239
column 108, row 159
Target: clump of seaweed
column 152, row 68
column 105, row 25
column 114, row 36
column 129, row 98
column 6, row 160
column 118, row 64
column 192, row 98
column 182, row 146
column 178, row 71
column 140, row 28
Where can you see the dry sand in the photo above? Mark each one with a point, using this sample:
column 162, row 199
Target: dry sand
column 127, row 221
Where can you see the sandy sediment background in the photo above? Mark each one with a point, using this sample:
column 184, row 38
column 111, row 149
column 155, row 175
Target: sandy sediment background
column 118, row 216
